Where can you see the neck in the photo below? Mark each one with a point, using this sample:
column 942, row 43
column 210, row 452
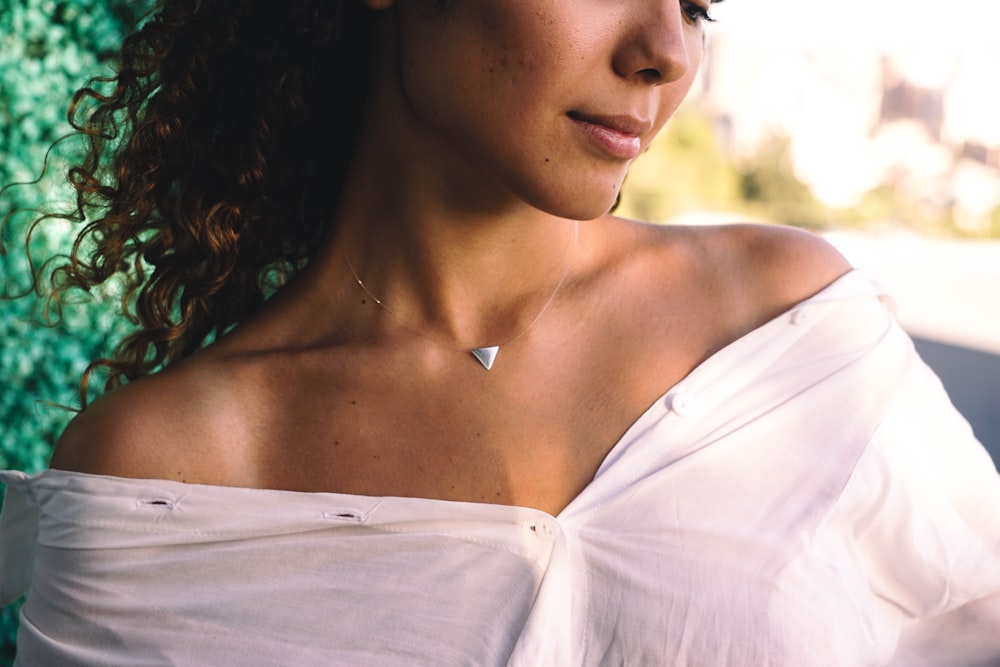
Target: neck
column 466, row 283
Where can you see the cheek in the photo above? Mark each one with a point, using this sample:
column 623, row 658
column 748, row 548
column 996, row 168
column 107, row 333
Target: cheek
column 497, row 86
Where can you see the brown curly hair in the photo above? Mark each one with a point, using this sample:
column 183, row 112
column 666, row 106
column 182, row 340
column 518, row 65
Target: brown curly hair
column 213, row 166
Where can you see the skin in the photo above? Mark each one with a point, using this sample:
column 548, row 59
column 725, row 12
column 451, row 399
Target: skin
column 473, row 128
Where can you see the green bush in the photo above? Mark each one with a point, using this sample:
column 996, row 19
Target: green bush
column 47, row 50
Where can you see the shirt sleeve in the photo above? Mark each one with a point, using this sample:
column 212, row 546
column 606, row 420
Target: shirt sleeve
column 18, row 533
column 923, row 514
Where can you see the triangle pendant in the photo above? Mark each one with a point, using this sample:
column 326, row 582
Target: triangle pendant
column 486, row 355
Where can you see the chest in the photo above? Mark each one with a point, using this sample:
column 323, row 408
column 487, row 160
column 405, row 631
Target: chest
column 531, row 432
column 414, row 419
column 467, row 443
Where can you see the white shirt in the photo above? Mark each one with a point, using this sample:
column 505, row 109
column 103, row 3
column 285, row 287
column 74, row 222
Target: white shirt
column 805, row 497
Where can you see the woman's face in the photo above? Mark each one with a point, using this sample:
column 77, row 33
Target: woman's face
column 553, row 99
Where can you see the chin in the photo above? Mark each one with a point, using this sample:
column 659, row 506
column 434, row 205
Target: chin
column 581, row 202
column 590, row 208
column 581, row 211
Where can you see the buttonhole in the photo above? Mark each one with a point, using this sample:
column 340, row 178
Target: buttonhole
column 344, row 515
column 157, row 503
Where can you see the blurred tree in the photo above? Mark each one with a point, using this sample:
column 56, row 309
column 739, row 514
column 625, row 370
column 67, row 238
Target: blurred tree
column 994, row 230
column 888, row 205
column 47, row 50
column 684, row 169
column 687, row 169
column 772, row 191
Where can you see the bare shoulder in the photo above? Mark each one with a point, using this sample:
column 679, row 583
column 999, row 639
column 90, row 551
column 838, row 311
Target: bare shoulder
column 729, row 279
column 165, row 426
column 771, row 266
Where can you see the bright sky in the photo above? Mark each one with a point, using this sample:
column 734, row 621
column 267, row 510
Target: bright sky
column 928, row 34
column 932, row 43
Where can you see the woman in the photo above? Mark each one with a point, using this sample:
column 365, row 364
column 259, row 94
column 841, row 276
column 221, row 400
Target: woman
column 488, row 423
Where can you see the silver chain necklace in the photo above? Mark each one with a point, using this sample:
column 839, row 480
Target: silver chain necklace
column 484, row 355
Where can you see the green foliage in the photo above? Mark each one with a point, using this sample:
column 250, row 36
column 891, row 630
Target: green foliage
column 772, row 191
column 994, row 229
column 685, row 168
column 48, row 49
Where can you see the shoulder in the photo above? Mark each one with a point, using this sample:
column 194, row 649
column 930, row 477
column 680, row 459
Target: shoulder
column 117, row 434
column 765, row 268
column 165, row 426
column 786, row 262
column 729, row 279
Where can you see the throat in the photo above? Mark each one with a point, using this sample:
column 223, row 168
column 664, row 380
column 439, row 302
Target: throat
column 485, row 355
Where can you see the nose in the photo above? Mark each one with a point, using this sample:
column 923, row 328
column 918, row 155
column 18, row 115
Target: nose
column 654, row 44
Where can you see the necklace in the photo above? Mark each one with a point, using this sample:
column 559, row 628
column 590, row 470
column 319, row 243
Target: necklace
column 485, row 355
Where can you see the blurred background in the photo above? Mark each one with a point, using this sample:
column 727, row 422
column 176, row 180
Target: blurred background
column 873, row 122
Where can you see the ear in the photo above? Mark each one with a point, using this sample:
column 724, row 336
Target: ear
column 379, row 5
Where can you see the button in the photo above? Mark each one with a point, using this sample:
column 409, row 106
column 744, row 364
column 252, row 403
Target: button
column 683, row 404
column 545, row 529
column 800, row 315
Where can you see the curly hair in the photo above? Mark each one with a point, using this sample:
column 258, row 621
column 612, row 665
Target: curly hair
column 213, row 166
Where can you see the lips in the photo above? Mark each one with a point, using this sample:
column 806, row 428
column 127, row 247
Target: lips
column 617, row 137
column 624, row 123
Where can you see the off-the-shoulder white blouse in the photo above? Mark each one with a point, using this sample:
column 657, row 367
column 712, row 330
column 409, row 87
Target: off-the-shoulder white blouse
column 805, row 497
